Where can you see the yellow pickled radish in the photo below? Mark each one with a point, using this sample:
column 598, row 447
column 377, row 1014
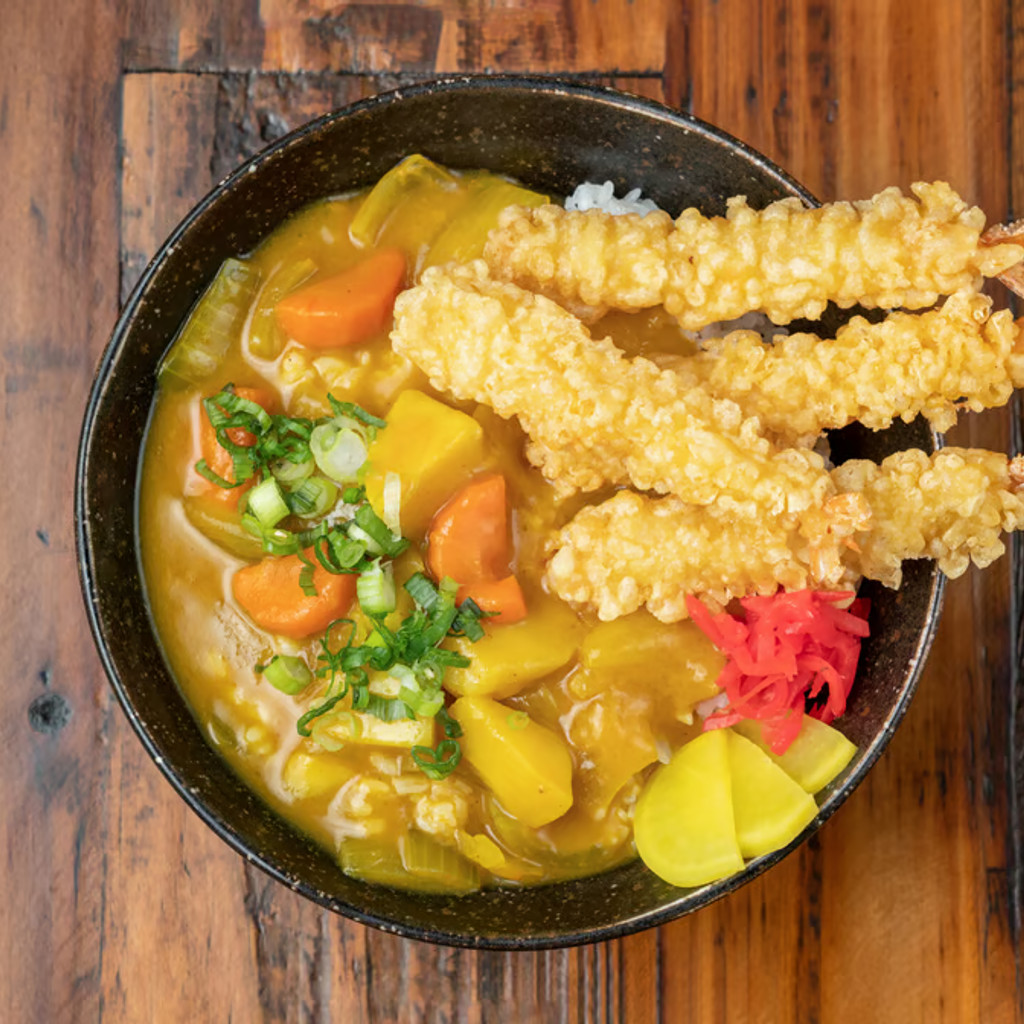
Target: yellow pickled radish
column 817, row 755
column 683, row 825
column 769, row 808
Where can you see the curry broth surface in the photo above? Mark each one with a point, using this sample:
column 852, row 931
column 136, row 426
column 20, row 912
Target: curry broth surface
column 362, row 793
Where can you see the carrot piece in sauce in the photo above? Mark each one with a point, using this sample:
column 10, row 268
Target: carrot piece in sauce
column 346, row 308
column 504, row 597
column 468, row 538
column 271, row 594
column 468, row 541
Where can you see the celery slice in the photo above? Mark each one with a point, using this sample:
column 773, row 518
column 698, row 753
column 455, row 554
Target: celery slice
column 464, row 238
column 391, row 191
column 375, row 860
column 266, row 338
column 436, row 867
column 214, row 323
column 414, row 862
column 221, row 524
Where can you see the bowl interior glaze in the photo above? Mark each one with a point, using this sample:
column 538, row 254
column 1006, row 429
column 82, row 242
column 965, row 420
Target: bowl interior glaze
column 551, row 136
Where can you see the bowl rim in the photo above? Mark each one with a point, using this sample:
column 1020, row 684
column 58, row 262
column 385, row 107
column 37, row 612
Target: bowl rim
column 549, row 84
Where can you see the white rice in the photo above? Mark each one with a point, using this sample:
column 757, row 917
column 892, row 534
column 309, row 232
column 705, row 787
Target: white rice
column 591, row 196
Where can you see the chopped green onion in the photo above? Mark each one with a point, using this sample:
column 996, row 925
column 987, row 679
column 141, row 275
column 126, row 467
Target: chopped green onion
column 353, row 495
column 439, row 762
column 313, row 497
column 221, row 524
column 357, row 412
column 424, row 704
column 267, row 504
column 348, row 720
column 421, row 590
column 203, row 469
column 387, row 709
column 339, row 452
column 227, row 409
column 286, row 673
column 275, row 542
column 362, row 537
column 452, row 729
column 374, row 527
column 375, row 590
column 306, row 581
column 347, row 551
column 289, row 473
column 467, row 621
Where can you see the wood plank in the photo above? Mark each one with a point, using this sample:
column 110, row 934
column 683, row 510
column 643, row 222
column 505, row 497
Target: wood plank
column 58, row 293
column 907, row 905
column 397, row 36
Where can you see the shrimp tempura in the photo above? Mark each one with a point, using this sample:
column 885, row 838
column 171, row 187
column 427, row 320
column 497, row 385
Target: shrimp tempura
column 787, row 260
column 929, row 363
column 594, row 416
column 632, row 550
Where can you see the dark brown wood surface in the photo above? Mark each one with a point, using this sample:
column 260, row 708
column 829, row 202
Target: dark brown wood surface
column 118, row 904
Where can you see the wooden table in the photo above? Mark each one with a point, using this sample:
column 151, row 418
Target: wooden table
column 118, row 903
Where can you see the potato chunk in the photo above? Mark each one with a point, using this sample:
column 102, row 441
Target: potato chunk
column 433, row 449
column 510, row 657
column 527, row 767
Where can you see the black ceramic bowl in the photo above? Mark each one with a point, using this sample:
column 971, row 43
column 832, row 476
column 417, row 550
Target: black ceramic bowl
column 551, row 136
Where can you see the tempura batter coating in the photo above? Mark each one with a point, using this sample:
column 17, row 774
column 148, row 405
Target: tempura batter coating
column 594, row 417
column 952, row 506
column 787, row 260
column 632, row 550
column 956, row 356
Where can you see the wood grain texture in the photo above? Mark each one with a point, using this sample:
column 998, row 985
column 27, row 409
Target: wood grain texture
column 120, row 904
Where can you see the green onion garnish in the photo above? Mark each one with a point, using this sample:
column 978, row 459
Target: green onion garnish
column 306, row 581
column 439, row 762
column 313, row 497
column 339, row 451
column 266, row 503
column 291, row 474
column 377, row 530
column 286, row 673
column 375, row 590
column 356, row 412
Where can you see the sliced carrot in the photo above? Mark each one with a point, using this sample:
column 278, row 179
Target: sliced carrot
column 270, row 593
column 468, row 539
column 347, row 308
column 504, row 596
column 219, row 458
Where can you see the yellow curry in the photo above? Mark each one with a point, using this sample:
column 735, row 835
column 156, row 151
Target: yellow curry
column 434, row 732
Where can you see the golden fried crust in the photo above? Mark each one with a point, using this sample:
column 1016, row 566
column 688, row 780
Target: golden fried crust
column 633, row 550
column 594, row 416
column 786, row 260
column 951, row 506
column 957, row 356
